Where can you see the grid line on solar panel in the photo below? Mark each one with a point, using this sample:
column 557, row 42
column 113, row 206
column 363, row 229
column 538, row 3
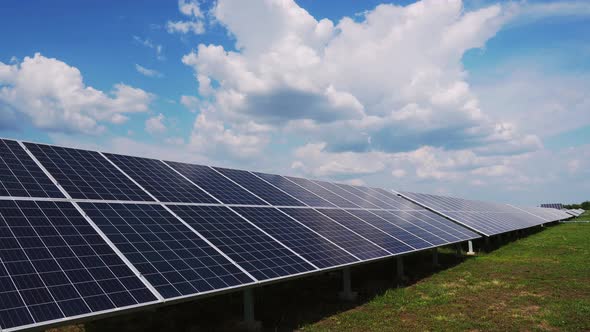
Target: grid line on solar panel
column 443, row 224
column 443, row 228
column 404, row 204
column 416, row 227
column 484, row 217
column 368, row 231
column 342, row 236
column 348, row 196
column 20, row 176
column 86, row 174
column 322, row 192
column 160, row 180
column 171, row 256
column 399, row 233
column 260, row 188
column 216, row 184
column 294, row 190
column 365, row 194
column 310, row 245
column 256, row 252
column 59, row 266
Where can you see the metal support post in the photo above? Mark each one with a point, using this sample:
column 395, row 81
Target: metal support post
column 346, row 294
column 470, row 252
column 435, row 257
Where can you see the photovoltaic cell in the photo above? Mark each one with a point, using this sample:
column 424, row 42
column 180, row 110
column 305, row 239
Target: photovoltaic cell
column 86, row 174
column 322, row 192
column 343, row 237
column 160, row 180
column 350, row 197
column 216, row 184
column 173, row 258
column 53, row 265
column 377, row 236
column 20, row 176
column 311, row 246
column 256, row 252
column 294, row 190
column 260, row 187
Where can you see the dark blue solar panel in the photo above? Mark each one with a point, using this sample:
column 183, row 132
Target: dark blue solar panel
column 373, row 234
column 300, row 239
column 160, row 180
column 399, row 233
column 260, row 187
column 20, row 176
column 294, row 190
column 53, row 264
column 347, row 195
column 86, row 174
column 368, row 195
column 416, row 227
column 352, row 242
column 253, row 250
column 322, row 192
column 173, row 258
column 216, row 184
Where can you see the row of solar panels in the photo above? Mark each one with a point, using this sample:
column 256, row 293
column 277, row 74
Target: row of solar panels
column 575, row 212
column 485, row 217
column 82, row 232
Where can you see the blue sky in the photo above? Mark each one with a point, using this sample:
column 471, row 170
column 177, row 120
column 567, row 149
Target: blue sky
column 481, row 99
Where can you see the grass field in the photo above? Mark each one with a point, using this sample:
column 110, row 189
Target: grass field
column 541, row 282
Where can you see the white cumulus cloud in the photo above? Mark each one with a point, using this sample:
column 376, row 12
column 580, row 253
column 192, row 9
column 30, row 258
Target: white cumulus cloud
column 53, row 96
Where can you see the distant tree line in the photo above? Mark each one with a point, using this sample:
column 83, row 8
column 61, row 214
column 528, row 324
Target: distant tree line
column 584, row 205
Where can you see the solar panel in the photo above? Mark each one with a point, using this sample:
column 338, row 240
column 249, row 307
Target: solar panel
column 216, row 184
column 322, row 192
column 375, row 235
column 256, row 252
column 160, row 180
column 294, row 190
column 153, row 231
column 484, row 217
column 350, row 197
column 310, row 245
column 343, row 237
column 415, row 241
column 442, row 223
column 20, row 176
column 173, row 258
column 415, row 226
column 260, row 187
column 53, row 265
column 86, row 174
column 366, row 195
column 397, row 202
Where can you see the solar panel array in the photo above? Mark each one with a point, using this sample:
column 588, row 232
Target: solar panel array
column 575, row 212
column 558, row 206
column 486, row 218
column 87, row 233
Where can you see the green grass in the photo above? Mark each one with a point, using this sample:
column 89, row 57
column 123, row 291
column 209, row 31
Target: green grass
column 539, row 283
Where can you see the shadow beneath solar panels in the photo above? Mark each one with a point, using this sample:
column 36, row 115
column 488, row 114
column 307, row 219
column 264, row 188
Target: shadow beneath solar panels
column 283, row 306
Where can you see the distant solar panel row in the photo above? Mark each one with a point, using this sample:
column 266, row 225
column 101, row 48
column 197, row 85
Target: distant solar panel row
column 484, row 217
